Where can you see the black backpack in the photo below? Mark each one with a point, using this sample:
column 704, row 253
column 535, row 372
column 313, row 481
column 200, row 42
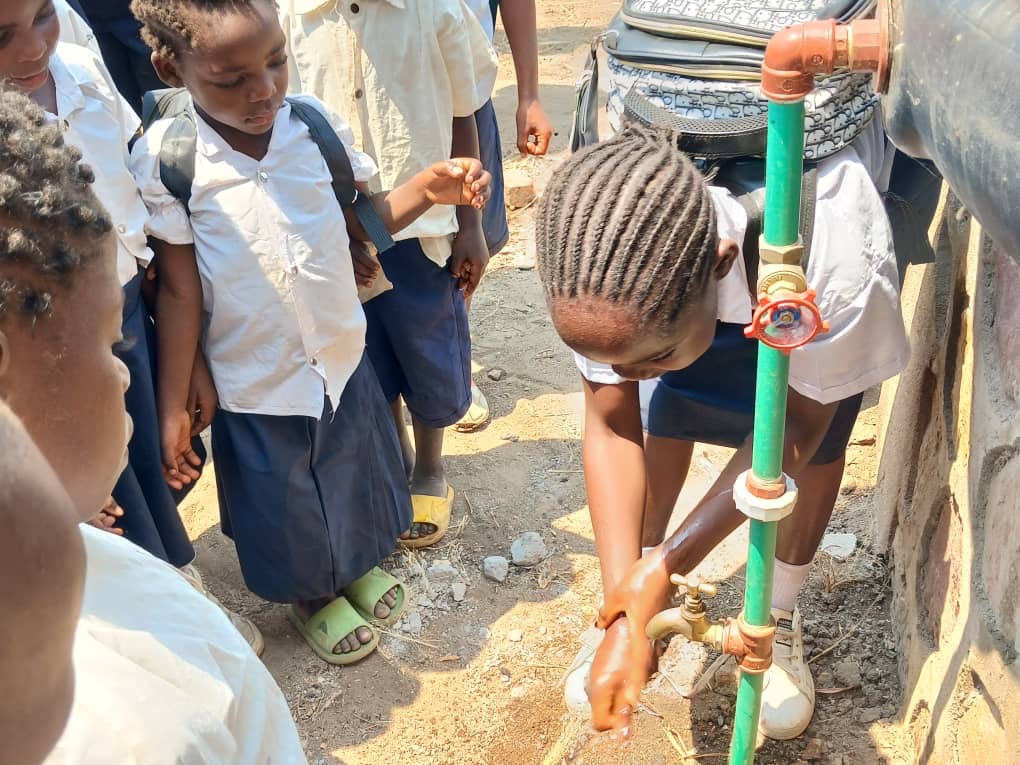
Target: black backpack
column 177, row 155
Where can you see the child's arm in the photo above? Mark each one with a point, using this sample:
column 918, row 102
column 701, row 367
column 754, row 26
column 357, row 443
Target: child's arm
column 519, row 22
column 470, row 254
column 178, row 323
column 460, row 181
column 640, row 595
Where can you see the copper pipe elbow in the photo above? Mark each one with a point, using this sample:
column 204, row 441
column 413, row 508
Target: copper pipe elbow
column 795, row 54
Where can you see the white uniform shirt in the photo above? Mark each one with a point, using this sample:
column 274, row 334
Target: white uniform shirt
column 74, row 29
column 483, row 12
column 283, row 323
column 161, row 675
column 853, row 267
column 97, row 120
column 401, row 70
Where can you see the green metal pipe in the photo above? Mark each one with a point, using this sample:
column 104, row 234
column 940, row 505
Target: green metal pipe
column 784, row 167
column 757, row 610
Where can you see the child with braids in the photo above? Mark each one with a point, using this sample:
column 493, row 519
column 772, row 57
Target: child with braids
column 311, row 485
column 78, row 94
column 160, row 674
column 640, row 262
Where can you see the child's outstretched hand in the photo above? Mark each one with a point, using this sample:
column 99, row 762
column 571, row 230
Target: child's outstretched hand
column 458, row 181
column 180, row 462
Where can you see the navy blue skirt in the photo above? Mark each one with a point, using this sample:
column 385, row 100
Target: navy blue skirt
column 150, row 517
column 712, row 400
column 312, row 504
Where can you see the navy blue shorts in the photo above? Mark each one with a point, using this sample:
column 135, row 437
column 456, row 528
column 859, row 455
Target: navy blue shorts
column 312, row 504
column 418, row 337
column 150, row 517
column 712, row 400
column 490, row 150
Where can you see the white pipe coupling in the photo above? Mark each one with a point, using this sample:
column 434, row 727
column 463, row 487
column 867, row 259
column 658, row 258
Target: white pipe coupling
column 759, row 509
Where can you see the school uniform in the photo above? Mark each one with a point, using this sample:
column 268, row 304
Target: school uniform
column 74, row 27
column 402, row 71
column 161, row 675
column 490, row 148
column 311, row 484
column 97, row 120
column 852, row 266
column 126, row 55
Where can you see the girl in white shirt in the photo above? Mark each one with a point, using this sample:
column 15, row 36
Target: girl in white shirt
column 311, row 485
column 651, row 284
column 160, row 674
column 78, row 94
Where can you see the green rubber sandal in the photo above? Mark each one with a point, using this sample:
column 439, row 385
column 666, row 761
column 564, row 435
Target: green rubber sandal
column 366, row 592
column 328, row 626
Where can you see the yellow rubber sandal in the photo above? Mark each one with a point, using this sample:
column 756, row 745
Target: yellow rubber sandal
column 434, row 511
column 328, row 626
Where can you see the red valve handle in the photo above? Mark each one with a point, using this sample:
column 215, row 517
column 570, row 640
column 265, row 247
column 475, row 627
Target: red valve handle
column 786, row 321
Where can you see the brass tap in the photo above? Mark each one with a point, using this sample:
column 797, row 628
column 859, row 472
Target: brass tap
column 690, row 619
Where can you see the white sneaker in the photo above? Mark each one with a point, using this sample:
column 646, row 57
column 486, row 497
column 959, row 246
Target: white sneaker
column 477, row 414
column 788, row 698
column 576, row 678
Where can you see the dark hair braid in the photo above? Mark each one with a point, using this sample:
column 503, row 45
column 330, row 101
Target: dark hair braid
column 169, row 27
column 50, row 221
column 629, row 220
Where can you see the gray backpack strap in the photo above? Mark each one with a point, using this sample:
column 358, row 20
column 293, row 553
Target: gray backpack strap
column 753, row 203
column 177, row 152
column 342, row 173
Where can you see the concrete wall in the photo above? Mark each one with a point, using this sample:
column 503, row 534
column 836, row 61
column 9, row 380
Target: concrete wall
column 949, row 501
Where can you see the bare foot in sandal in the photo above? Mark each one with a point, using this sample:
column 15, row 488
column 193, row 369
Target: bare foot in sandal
column 386, row 603
column 349, row 643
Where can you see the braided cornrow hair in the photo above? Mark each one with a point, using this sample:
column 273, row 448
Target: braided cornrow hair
column 50, row 221
column 169, row 27
column 629, row 220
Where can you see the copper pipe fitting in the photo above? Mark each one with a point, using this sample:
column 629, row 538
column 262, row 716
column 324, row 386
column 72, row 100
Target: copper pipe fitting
column 765, row 489
column 751, row 645
column 795, row 54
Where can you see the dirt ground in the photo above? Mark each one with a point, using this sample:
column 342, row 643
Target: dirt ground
column 478, row 681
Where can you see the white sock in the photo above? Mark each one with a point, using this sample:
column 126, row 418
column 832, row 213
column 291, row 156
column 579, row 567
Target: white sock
column 787, row 583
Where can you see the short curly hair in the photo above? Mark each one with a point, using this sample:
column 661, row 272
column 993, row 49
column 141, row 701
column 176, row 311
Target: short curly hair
column 51, row 222
column 169, row 27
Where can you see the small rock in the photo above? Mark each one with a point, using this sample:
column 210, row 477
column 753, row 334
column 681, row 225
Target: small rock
column 496, row 568
column 869, row 714
column 518, row 692
column 808, row 638
column 515, row 636
column 424, row 602
column 847, row 673
column 874, row 675
column 458, row 590
column 511, row 437
column 813, row 750
column 441, row 571
column 412, row 623
column 528, row 549
column 874, row 697
column 543, row 630
column 839, row 546
column 495, row 374
column 518, row 189
column 890, row 710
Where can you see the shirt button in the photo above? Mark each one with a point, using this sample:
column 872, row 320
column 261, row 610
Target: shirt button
column 122, row 228
column 315, row 362
column 65, row 126
column 355, row 8
column 263, row 176
column 358, row 93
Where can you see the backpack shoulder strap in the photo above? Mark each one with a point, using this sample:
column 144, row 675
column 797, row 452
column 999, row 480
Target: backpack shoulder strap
column 177, row 151
column 753, row 203
column 341, row 172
